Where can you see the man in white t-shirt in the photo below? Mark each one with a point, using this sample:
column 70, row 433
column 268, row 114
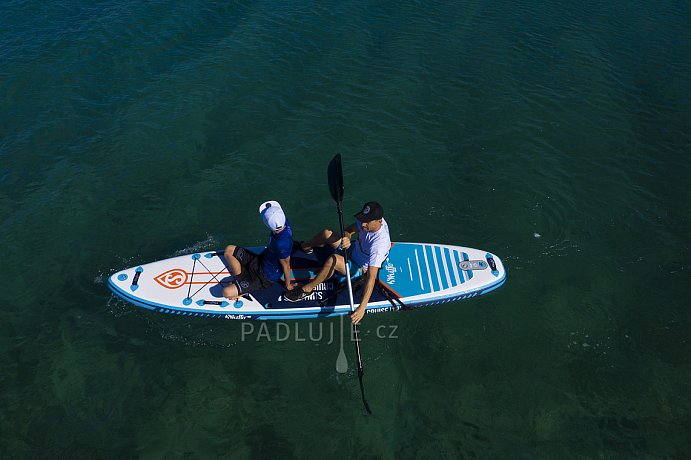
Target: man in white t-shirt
column 365, row 258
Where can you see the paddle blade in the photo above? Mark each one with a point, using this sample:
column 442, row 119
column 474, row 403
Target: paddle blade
column 342, row 362
column 336, row 179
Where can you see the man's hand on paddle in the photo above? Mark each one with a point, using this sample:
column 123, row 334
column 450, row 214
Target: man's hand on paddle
column 341, row 243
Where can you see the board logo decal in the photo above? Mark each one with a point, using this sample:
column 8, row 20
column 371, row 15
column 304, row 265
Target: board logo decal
column 172, row 279
column 390, row 273
column 177, row 277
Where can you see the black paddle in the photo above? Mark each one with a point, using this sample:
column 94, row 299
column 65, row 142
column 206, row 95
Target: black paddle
column 335, row 173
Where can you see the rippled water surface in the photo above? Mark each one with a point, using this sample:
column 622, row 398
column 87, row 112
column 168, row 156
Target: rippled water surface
column 554, row 134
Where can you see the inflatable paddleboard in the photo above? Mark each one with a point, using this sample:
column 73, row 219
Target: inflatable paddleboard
column 414, row 275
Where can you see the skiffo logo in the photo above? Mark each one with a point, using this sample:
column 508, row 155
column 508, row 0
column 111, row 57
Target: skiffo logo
column 390, row 273
column 172, row 279
column 177, row 277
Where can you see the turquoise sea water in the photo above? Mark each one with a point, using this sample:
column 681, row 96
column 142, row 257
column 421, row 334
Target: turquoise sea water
column 554, row 134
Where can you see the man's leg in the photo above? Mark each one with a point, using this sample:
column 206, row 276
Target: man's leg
column 335, row 262
column 235, row 267
column 230, row 292
column 322, row 238
column 234, row 264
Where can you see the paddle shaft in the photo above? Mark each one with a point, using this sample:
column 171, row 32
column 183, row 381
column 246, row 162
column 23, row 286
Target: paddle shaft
column 335, row 176
column 356, row 331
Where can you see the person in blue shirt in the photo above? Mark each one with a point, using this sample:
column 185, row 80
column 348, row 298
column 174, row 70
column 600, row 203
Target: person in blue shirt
column 255, row 272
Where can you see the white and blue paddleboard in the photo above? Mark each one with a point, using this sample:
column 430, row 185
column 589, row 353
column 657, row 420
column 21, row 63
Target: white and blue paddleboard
column 417, row 274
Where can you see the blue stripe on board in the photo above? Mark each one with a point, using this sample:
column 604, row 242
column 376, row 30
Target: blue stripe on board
column 431, row 267
column 458, row 262
column 440, row 267
column 470, row 272
column 419, row 270
column 449, row 262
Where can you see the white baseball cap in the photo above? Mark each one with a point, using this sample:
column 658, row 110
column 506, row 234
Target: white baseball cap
column 272, row 214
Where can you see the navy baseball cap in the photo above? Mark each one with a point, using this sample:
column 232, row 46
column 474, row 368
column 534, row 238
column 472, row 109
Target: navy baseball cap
column 370, row 211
